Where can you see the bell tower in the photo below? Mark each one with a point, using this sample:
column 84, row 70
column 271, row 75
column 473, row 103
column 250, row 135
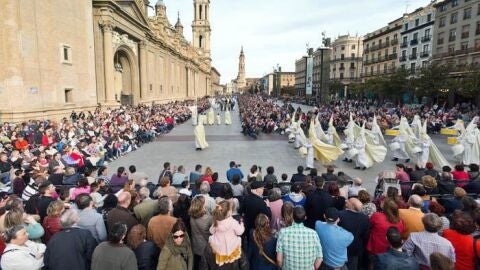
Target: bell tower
column 201, row 28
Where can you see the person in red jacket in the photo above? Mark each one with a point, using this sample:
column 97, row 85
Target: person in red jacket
column 47, row 138
column 21, row 143
column 459, row 174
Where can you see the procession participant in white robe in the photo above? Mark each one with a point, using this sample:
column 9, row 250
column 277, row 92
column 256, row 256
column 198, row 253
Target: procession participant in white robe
column 335, row 140
column 219, row 119
column 194, row 111
column 298, row 137
column 211, row 116
column 378, row 132
column 361, row 159
column 398, row 146
column 422, row 150
column 199, row 132
column 471, row 143
column 348, row 146
column 228, row 118
column 399, row 143
column 310, row 156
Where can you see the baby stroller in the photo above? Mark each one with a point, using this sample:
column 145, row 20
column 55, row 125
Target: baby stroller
column 385, row 180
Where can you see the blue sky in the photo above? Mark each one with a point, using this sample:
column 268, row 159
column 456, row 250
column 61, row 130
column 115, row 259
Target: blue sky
column 277, row 31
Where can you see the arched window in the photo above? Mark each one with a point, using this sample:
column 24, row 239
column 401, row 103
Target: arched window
column 201, row 12
column 200, row 41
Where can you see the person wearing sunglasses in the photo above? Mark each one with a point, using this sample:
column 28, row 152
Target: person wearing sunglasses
column 177, row 252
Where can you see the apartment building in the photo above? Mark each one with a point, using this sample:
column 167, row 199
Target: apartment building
column 456, row 36
column 380, row 50
column 416, row 38
column 346, row 59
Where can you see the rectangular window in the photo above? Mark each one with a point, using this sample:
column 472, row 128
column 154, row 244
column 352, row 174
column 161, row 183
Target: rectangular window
column 426, row 48
column 424, row 64
column 451, row 48
column 343, row 48
column 465, row 31
column 68, row 95
column 353, row 47
column 454, row 3
column 417, row 22
column 477, row 29
column 443, row 8
column 467, row 13
column 442, row 21
column 429, row 17
column 65, row 54
column 406, row 27
column 415, row 36
column 341, row 76
column 352, row 55
column 427, row 32
column 412, row 67
column 414, row 51
column 454, row 18
column 342, row 56
column 464, row 46
column 452, row 35
column 352, row 74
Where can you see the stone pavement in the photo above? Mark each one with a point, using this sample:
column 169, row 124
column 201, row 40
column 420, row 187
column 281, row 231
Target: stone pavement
column 227, row 143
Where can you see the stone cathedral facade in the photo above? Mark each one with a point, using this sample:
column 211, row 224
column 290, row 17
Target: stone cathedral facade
column 64, row 55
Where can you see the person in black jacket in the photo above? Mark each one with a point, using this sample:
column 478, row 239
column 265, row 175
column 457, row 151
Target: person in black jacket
column 72, row 248
column 147, row 252
column 329, row 176
column 445, row 184
column 253, row 204
column 299, row 176
column 216, row 188
column 316, row 203
column 358, row 224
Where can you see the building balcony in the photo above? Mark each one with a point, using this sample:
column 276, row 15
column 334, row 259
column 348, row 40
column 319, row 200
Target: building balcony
column 412, row 56
column 394, row 41
column 465, row 35
column 403, row 58
column 403, row 44
column 414, row 42
column 426, row 38
column 424, row 54
column 462, row 51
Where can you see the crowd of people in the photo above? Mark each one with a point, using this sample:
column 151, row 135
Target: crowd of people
column 263, row 114
column 66, row 210
column 251, row 220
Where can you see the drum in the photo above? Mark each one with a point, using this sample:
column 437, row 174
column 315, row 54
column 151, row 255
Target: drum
column 394, row 146
column 416, row 149
column 458, row 149
column 352, row 152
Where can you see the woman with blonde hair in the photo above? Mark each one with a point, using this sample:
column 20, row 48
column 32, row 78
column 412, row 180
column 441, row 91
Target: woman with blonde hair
column 200, row 223
column 261, row 253
column 51, row 223
column 146, row 251
column 225, row 241
column 287, row 215
column 18, row 217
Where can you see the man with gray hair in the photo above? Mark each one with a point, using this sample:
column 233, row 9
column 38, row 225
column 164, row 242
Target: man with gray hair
column 422, row 244
column 160, row 226
column 71, row 248
column 209, row 201
column 412, row 217
column 145, row 210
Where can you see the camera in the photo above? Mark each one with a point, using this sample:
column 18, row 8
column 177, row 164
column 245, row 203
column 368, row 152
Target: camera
column 238, row 165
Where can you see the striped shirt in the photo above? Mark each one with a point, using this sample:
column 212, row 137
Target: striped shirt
column 422, row 244
column 300, row 247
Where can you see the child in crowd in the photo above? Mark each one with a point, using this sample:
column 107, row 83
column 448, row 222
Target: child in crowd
column 225, row 241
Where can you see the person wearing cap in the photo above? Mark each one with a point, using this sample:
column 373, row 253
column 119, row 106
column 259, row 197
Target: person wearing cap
column 395, row 258
column 334, row 240
column 253, row 204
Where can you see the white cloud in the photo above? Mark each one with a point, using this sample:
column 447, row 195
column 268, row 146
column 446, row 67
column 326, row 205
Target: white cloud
column 276, row 31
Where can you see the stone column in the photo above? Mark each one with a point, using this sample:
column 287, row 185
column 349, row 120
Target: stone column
column 107, row 27
column 143, row 70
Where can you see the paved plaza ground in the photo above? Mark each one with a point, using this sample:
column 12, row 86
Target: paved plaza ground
column 227, row 143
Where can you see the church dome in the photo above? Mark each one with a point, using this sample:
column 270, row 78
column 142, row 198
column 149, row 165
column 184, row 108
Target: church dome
column 160, row 3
